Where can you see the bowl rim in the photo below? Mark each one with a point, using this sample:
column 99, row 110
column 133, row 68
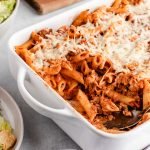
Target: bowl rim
column 19, row 141
column 12, row 14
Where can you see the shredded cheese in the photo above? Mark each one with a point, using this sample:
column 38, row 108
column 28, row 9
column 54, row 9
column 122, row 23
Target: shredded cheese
column 125, row 42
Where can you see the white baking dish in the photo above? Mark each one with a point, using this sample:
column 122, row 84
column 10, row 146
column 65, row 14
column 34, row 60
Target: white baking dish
column 47, row 102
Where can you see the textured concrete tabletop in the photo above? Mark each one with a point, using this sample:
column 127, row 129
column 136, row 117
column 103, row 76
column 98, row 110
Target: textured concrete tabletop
column 40, row 133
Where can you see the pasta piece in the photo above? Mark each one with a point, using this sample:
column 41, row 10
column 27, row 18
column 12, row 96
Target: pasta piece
column 83, row 99
column 121, row 10
column 66, row 65
column 96, row 62
column 91, row 78
column 89, row 59
column 141, row 84
column 85, row 68
column 146, row 94
column 79, row 57
column 97, row 90
column 34, row 49
column 119, row 6
column 73, row 74
column 103, row 77
column 52, row 70
column 102, row 65
column 98, row 13
column 126, row 2
column 36, row 37
column 135, row 2
column 26, row 45
column 71, row 93
column 61, row 87
column 45, row 32
column 81, row 18
column 109, row 77
column 77, row 106
column 51, row 81
column 62, row 29
column 71, row 89
column 58, row 78
column 19, row 52
column 116, row 4
column 73, row 33
column 119, row 97
column 107, row 105
column 72, row 84
column 25, row 55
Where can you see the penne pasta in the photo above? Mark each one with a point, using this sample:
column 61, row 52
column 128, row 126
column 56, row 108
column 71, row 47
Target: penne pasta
column 121, row 10
column 51, row 81
column 119, row 97
column 77, row 106
column 81, row 18
column 52, row 70
column 146, row 95
column 119, row 6
column 85, row 68
column 135, row 2
column 34, row 49
column 109, row 77
column 83, row 99
column 27, row 45
column 97, row 62
column 73, row 74
column 71, row 85
column 72, row 32
column 116, row 4
column 102, row 64
column 108, row 105
column 66, row 65
column 36, row 37
column 80, row 57
column 25, row 54
column 126, row 2
column 61, row 87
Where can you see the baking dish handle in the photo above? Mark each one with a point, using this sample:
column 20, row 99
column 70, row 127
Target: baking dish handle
column 35, row 104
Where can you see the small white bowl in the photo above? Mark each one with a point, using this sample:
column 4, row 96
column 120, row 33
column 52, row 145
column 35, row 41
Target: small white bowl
column 12, row 113
column 4, row 26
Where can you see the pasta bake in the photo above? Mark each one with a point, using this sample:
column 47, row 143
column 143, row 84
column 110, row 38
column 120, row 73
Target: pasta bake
column 100, row 64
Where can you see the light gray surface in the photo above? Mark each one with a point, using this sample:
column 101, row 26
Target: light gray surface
column 40, row 132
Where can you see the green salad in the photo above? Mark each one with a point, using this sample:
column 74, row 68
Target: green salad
column 6, row 8
column 7, row 138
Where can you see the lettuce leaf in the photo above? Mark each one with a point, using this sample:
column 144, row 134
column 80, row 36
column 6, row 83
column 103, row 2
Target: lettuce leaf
column 6, row 8
column 4, row 125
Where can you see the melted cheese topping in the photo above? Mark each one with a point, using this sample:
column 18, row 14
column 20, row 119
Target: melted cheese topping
column 125, row 42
